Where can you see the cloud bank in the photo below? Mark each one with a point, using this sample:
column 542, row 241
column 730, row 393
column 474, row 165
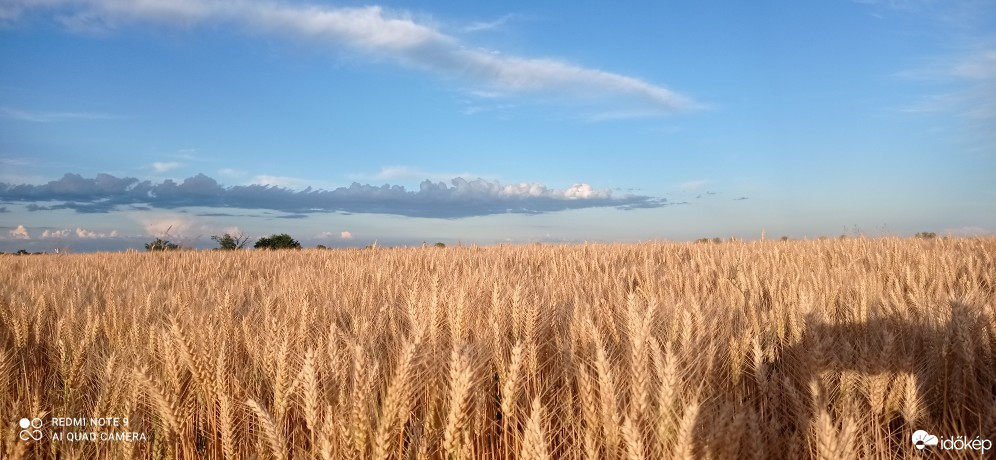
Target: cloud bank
column 461, row 198
column 374, row 31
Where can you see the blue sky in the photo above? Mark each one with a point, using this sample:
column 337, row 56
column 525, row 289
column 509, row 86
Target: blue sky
column 529, row 121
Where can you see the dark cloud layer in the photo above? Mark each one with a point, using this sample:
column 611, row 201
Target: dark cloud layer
column 461, row 198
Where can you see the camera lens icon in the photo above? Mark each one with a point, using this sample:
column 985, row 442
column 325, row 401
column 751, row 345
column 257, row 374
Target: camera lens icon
column 30, row 429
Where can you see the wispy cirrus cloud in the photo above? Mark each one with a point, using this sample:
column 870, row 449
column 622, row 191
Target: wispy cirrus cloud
column 382, row 34
column 34, row 116
column 693, row 185
column 230, row 172
column 970, row 89
column 460, row 198
column 165, row 166
column 410, row 173
column 482, row 26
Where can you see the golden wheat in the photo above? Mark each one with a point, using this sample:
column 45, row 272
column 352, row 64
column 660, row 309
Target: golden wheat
column 769, row 349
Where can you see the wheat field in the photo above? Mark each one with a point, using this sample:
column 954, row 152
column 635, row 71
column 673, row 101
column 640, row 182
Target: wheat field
column 829, row 349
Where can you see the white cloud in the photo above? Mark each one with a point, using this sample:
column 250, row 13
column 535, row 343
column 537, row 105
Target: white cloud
column 341, row 235
column 55, row 233
column 88, row 234
column 164, row 166
column 19, row 233
column 585, row 192
column 395, row 36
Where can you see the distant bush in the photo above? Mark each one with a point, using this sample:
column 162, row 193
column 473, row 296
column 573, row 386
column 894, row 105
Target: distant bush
column 281, row 241
column 321, row 246
column 228, row 242
column 161, row 245
column 926, row 235
column 784, row 238
column 440, row 245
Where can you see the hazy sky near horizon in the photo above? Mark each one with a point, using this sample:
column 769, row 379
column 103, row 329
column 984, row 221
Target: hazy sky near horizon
column 342, row 123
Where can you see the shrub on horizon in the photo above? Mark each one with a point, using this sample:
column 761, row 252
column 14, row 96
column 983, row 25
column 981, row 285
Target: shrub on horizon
column 277, row 241
column 227, row 242
column 161, row 245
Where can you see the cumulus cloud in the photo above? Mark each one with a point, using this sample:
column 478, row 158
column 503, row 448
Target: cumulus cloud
column 459, row 198
column 164, row 166
column 64, row 233
column 19, row 233
column 80, row 232
column 345, row 235
column 382, row 34
column 84, row 233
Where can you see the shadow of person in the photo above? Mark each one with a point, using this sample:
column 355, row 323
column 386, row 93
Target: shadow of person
column 900, row 372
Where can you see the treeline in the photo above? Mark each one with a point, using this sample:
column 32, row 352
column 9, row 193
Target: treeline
column 229, row 242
